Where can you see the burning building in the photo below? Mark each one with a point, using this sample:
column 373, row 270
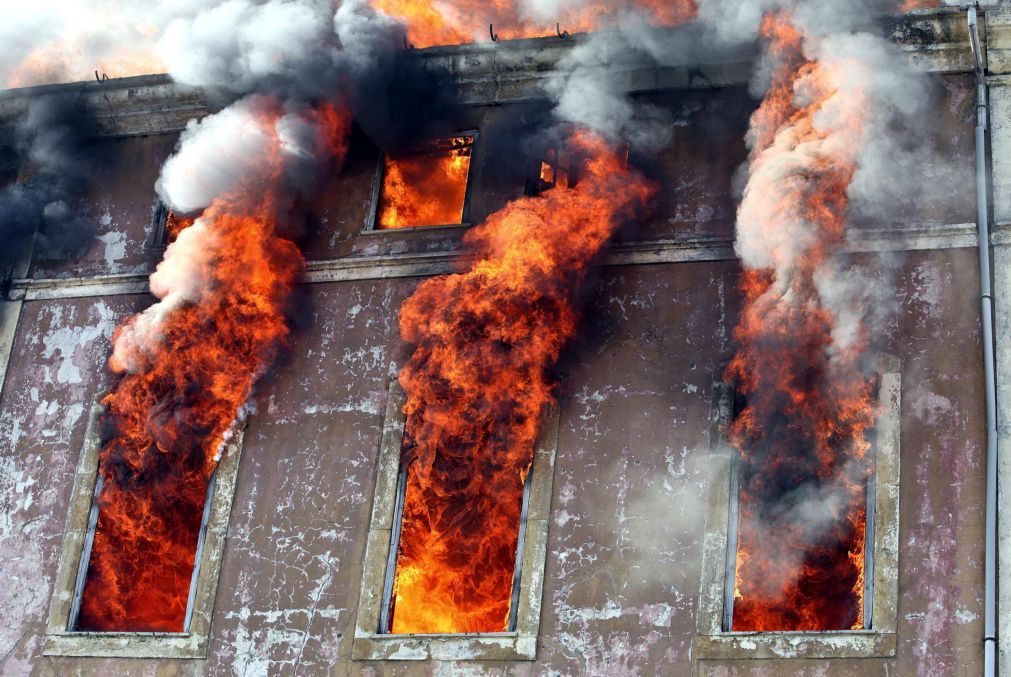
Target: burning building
column 583, row 347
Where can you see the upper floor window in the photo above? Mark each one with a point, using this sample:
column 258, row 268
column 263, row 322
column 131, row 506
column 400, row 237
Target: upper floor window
column 426, row 184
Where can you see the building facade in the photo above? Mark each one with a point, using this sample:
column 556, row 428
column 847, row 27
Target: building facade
column 627, row 529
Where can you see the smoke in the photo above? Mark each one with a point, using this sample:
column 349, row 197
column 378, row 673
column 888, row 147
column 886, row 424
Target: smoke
column 829, row 134
column 242, row 46
column 51, row 142
column 57, row 41
column 589, row 84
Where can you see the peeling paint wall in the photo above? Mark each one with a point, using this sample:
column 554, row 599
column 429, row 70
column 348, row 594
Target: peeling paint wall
column 635, row 388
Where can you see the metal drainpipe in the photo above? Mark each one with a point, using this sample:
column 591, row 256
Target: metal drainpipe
column 986, row 301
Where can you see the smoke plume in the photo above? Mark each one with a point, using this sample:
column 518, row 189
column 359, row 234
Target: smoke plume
column 824, row 139
column 51, row 143
column 188, row 364
column 477, row 386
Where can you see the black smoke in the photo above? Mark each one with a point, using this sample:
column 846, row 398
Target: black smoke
column 45, row 167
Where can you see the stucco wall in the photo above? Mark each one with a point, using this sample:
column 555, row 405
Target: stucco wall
column 635, row 389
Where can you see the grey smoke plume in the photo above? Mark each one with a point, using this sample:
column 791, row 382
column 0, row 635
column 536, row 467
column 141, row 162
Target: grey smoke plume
column 51, row 142
column 243, row 46
column 872, row 82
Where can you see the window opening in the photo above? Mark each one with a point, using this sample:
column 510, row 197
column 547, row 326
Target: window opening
column 81, row 586
column 821, row 575
column 388, row 607
column 425, row 184
column 557, row 168
column 876, row 636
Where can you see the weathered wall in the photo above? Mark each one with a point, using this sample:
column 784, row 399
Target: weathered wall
column 622, row 571
column 635, row 390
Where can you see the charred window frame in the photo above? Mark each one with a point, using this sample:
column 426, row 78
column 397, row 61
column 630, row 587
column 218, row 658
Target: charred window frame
column 519, row 642
column 372, row 216
column 162, row 220
column 557, row 166
column 715, row 638
column 158, row 240
column 62, row 639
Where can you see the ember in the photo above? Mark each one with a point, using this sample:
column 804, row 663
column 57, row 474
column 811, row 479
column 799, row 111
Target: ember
column 802, row 435
column 426, row 186
column 477, row 386
column 188, row 366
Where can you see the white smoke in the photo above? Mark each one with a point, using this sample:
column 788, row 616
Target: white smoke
column 216, row 155
column 244, row 46
column 58, row 41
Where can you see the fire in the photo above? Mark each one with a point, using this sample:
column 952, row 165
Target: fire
column 181, row 389
column 433, row 22
column 426, row 187
column 802, row 434
column 477, row 386
column 175, row 223
column 57, row 61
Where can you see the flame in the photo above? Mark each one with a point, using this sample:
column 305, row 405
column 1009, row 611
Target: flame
column 63, row 58
column 437, row 22
column 802, row 435
column 910, row 5
column 426, row 188
column 477, row 386
column 180, row 392
column 175, row 223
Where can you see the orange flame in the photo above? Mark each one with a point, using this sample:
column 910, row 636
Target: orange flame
column 176, row 402
column 432, row 22
column 477, row 386
column 800, row 555
column 175, row 223
column 425, row 189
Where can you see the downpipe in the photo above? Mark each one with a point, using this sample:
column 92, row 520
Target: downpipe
column 989, row 370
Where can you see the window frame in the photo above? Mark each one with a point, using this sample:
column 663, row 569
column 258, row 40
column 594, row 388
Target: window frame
column 372, row 215
column 62, row 640
column 370, row 644
column 712, row 641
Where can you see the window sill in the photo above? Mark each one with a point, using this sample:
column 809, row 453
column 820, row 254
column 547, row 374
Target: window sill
column 449, row 227
column 126, row 645
column 758, row 645
column 491, row 646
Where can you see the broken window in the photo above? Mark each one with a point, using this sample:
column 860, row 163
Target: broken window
column 836, row 595
column 556, row 168
column 388, row 626
column 425, row 184
column 159, row 595
column 166, row 615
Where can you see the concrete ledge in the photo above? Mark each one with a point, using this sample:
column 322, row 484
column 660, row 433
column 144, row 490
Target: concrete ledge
column 508, row 71
column 914, row 238
column 757, row 645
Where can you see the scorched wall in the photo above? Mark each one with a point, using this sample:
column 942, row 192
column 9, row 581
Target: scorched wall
column 635, row 392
